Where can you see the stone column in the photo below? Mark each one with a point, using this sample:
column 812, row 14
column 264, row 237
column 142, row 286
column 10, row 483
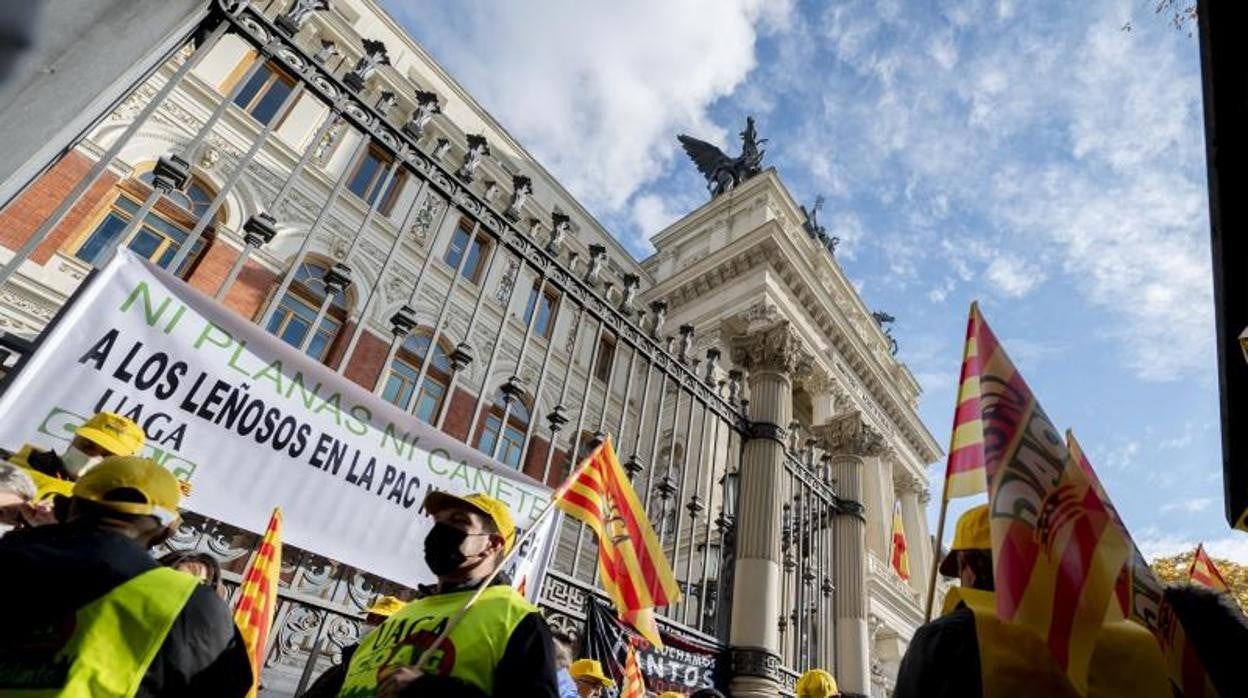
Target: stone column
column 877, row 497
column 852, row 443
column 914, row 518
column 772, row 356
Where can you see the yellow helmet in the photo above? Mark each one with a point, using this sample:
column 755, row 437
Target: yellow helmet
column 118, row 435
column 816, row 683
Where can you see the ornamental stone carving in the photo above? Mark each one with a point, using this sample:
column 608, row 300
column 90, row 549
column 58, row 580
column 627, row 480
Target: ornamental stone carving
column 850, row 434
column 777, row 348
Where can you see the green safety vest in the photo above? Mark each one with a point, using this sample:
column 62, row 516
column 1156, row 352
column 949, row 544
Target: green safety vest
column 470, row 653
column 104, row 649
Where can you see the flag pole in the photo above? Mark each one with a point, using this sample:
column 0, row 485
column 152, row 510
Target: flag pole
column 485, row 583
column 940, row 540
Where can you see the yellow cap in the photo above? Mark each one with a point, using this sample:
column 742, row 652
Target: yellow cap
column 498, row 512
column 114, row 433
column 973, row 533
column 816, row 683
column 671, row 694
column 144, row 476
column 590, row 670
column 386, row 606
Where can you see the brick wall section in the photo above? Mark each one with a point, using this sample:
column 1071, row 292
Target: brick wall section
column 459, row 414
column 33, row 206
column 250, row 289
column 366, row 362
column 535, row 462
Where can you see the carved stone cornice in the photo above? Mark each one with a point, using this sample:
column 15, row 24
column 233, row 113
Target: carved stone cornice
column 777, row 348
column 755, row 661
column 849, row 433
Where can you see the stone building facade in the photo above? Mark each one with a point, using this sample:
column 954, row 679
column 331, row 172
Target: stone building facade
column 338, row 187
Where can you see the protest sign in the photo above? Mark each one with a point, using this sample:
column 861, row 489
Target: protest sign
column 251, row 422
column 682, row 665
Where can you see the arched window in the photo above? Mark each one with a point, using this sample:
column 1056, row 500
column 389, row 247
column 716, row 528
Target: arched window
column 510, row 450
column 295, row 314
column 164, row 231
column 401, row 383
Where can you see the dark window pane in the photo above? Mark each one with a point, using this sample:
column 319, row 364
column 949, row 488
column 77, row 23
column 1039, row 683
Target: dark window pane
column 265, row 109
column 455, row 251
column 545, row 307
column 103, row 235
column 473, row 266
column 146, row 242
column 528, row 307
column 363, row 179
column 252, row 88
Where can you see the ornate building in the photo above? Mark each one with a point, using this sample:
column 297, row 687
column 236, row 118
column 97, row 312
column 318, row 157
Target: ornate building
column 312, row 168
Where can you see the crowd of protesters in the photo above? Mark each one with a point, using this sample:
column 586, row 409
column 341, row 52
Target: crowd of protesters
column 107, row 618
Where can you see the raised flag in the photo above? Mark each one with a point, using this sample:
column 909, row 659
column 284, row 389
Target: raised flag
column 1205, row 573
column 634, row 685
column 257, row 597
column 1056, row 551
column 900, row 558
column 964, row 472
column 1140, row 596
column 635, row 573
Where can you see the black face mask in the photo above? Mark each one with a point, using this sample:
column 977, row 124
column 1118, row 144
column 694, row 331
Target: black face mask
column 442, row 552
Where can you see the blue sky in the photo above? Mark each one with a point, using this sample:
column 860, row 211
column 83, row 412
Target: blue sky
column 1036, row 156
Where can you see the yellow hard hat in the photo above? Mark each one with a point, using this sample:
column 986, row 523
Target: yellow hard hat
column 114, row 433
column 671, row 694
column 386, row 606
column 158, row 486
column 590, row 670
column 973, row 533
column 498, row 512
column 816, row 683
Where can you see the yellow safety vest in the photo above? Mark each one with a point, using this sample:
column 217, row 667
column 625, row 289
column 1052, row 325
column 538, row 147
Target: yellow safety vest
column 105, row 649
column 471, row 651
column 1013, row 661
column 45, row 485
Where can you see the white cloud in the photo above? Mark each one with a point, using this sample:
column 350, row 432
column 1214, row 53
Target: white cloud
column 598, row 91
column 1012, row 276
column 652, row 213
column 1190, row 506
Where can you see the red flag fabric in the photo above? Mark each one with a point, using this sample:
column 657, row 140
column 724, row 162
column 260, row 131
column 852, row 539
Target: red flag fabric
column 634, row 683
column 635, row 572
column 900, row 558
column 964, row 472
column 257, row 596
column 1056, row 554
column 1205, row 573
column 1140, row 597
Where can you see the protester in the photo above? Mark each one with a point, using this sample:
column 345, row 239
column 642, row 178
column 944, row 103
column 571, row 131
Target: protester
column 500, row 645
column 104, row 434
column 17, row 499
column 1218, row 630
column 671, row 694
column 943, row 656
column 706, row 693
column 100, row 616
column 202, row 566
column 329, row 683
column 816, row 683
column 563, row 661
column 589, row 678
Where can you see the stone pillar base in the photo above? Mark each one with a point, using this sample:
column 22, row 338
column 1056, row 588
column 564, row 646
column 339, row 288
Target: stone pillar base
column 755, row 673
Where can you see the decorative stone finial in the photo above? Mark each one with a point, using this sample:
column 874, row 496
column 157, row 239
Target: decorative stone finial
column 426, row 107
column 521, row 190
column 300, row 10
column 478, row 148
column 374, row 57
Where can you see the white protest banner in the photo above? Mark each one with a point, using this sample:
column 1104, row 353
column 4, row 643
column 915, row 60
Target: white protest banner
column 528, row 566
column 251, row 422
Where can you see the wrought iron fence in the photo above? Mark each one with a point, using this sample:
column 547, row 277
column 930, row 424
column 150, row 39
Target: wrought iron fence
column 807, row 621
column 584, row 357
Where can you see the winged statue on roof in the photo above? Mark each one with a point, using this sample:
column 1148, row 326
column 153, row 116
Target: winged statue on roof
column 723, row 173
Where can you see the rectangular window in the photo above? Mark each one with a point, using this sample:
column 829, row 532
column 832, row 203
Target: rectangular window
column 366, row 182
column 513, row 441
column 545, row 311
column 157, row 239
column 264, row 93
column 475, row 247
column 606, row 358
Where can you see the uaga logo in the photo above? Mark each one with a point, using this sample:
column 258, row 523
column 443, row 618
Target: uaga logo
column 60, row 425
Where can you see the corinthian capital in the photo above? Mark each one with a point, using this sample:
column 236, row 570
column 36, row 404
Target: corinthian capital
column 850, row 434
column 777, row 348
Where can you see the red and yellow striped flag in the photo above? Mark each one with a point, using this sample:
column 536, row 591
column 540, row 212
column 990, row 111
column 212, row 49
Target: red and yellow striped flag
column 1141, row 598
column 635, row 573
column 1205, row 573
column 1056, row 553
column 634, row 684
column 900, row 558
column 964, row 474
column 257, row 597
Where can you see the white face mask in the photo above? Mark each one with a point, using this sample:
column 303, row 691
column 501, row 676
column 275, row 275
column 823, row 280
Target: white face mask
column 77, row 462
